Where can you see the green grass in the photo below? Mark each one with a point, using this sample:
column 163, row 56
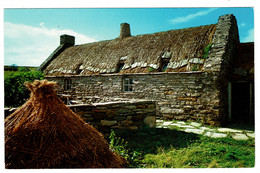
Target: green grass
column 170, row 148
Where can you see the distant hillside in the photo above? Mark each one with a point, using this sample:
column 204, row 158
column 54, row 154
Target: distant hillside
column 10, row 69
column 15, row 68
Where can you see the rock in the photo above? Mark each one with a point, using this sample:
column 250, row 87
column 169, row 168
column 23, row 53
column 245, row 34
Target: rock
column 196, row 131
column 150, row 121
column 166, row 110
column 229, row 130
column 195, row 124
column 252, row 135
column 167, row 123
column 126, row 122
column 216, row 135
column 132, row 127
column 239, row 136
column 177, row 111
column 108, row 123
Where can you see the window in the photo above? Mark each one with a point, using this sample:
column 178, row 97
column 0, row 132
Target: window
column 120, row 67
column 67, row 84
column 164, row 65
column 128, row 85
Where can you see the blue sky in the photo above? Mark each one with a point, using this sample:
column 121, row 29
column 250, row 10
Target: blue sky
column 30, row 35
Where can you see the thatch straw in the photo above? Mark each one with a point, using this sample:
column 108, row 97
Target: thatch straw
column 141, row 51
column 45, row 133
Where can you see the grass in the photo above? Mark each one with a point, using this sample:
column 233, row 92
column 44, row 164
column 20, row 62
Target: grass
column 170, row 148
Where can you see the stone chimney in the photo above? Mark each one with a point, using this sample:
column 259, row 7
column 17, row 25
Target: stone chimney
column 67, row 40
column 124, row 30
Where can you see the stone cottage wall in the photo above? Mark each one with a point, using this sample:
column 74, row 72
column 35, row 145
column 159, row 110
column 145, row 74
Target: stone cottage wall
column 186, row 95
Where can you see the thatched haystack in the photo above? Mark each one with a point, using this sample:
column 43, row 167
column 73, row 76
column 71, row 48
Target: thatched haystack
column 45, row 133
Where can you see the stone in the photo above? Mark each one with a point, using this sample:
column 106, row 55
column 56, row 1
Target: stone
column 204, row 128
column 150, row 121
column 166, row 110
column 166, row 123
column 108, row 123
column 196, row 131
column 176, row 124
column 239, row 136
column 128, row 117
column 180, row 122
column 177, row 111
column 159, row 121
column 229, row 130
column 132, row 127
column 219, row 135
column 195, row 124
column 187, row 98
column 251, row 135
column 169, row 93
column 187, row 126
column 167, row 116
column 126, row 122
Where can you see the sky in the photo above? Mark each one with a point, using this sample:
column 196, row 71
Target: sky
column 32, row 34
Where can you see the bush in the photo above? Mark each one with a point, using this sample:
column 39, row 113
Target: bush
column 206, row 51
column 15, row 91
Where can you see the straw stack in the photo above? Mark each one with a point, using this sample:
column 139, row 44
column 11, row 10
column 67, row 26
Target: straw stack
column 45, row 133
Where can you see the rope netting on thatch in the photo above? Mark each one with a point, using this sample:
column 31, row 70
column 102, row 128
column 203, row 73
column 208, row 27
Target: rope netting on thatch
column 45, row 133
column 140, row 51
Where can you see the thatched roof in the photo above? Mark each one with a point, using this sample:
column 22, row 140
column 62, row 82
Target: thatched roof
column 135, row 54
column 45, row 133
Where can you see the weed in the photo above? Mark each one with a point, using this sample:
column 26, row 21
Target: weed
column 206, row 51
column 150, row 69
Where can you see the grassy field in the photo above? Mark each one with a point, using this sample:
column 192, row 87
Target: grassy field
column 170, row 148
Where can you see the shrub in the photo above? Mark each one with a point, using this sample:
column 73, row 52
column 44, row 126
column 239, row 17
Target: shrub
column 15, row 91
column 206, row 51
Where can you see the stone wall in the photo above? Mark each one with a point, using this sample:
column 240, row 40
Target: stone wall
column 218, row 64
column 184, row 95
column 132, row 114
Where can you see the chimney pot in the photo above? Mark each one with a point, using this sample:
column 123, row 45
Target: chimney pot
column 124, row 30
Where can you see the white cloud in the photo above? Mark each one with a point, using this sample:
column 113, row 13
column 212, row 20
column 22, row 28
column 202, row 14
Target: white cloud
column 189, row 17
column 28, row 45
column 249, row 37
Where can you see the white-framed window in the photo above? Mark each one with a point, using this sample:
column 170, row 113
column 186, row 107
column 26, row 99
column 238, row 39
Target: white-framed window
column 128, row 85
column 67, row 84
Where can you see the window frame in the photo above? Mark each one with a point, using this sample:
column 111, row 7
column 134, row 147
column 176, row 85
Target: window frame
column 67, row 84
column 128, row 83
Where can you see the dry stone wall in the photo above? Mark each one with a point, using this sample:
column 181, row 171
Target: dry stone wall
column 129, row 115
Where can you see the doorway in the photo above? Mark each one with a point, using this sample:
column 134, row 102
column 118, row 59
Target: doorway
column 241, row 102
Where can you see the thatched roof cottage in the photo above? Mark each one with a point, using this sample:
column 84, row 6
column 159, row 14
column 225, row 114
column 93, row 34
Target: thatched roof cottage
column 189, row 72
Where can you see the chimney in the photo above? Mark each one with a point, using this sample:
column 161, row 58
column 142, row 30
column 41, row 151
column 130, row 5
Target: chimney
column 67, row 40
column 124, row 30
